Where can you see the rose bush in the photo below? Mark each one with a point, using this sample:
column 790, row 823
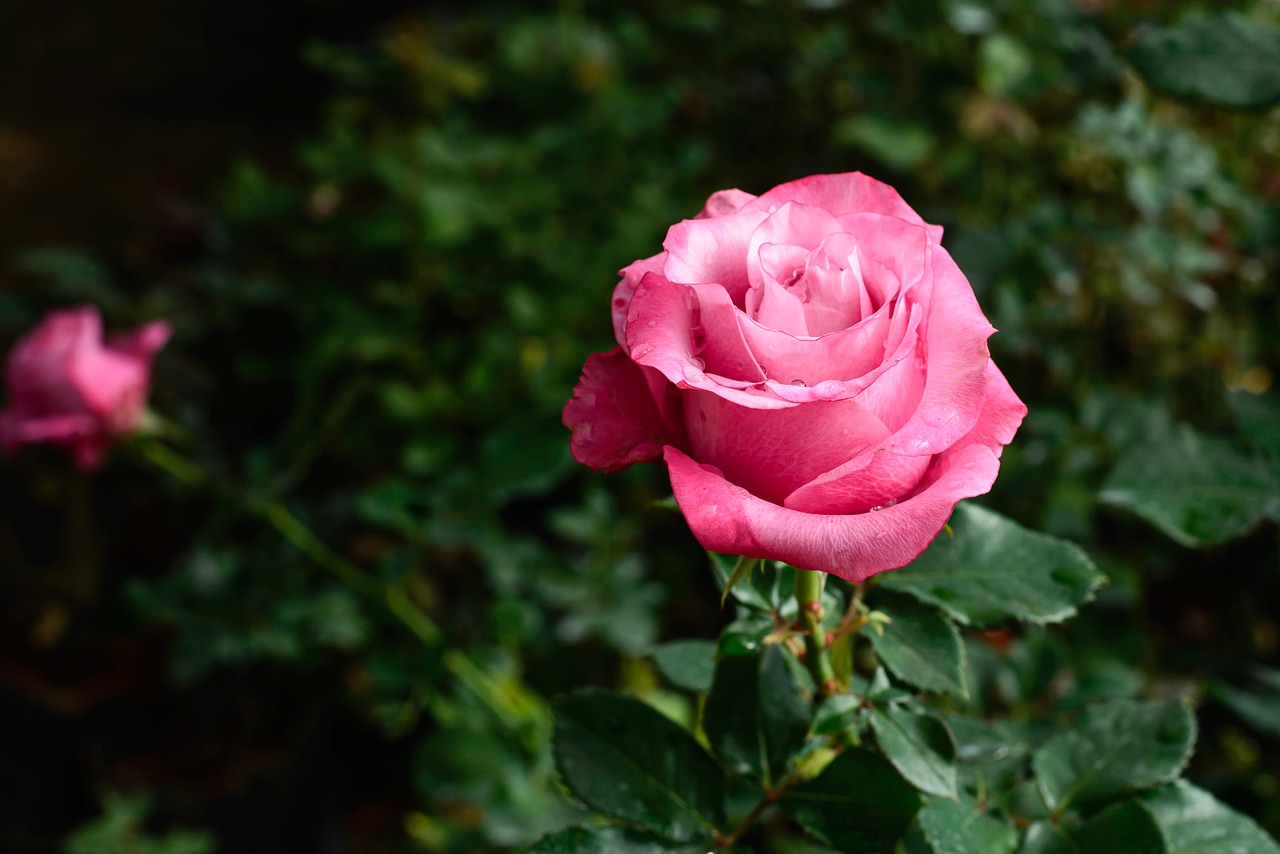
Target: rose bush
column 813, row 367
column 67, row 387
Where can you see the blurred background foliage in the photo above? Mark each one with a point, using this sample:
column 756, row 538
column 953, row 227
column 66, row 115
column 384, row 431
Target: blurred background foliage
column 386, row 234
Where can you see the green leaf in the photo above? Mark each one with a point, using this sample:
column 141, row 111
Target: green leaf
column 688, row 664
column 920, row 646
column 766, row 588
column 993, row 570
column 1198, row 491
column 1259, row 419
column 1128, row 827
column 755, row 718
column 1256, row 704
column 608, row 840
column 741, row 569
column 837, row 712
column 950, row 827
column 627, row 760
column 1193, row 822
column 857, row 804
column 1115, row 748
column 1226, row 59
column 745, row 635
column 919, row 746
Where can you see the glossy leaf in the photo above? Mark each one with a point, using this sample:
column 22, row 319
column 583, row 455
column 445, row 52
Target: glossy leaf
column 765, row 588
column 920, row 746
column 1259, row 418
column 992, row 570
column 836, row 713
column 919, row 645
column 1196, row 490
column 951, row 827
column 858, row 804
column 1226, row 59
column 627, row 760
column 1128, row 827
column 755, row 718
column 1111, row 749
column 1193, row 821
column 688, row 664
column 1258, row 703
column 609, row 840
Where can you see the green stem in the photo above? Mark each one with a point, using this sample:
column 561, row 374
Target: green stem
column 809, row 600
column 508, row 709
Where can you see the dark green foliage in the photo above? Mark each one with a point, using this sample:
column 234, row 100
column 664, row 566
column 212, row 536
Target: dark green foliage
column 755, row 718
column 990, row 570
column 1225, row 59
column 626, row 760
column 381, row 308
column 858, row 804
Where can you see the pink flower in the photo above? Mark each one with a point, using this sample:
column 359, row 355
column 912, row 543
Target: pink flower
column 813, row 368
column 68, row 388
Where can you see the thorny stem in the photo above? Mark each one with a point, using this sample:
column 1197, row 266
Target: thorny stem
column 771, row 797
column 809, row 601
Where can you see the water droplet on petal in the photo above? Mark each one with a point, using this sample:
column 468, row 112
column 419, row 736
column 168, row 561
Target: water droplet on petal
column 698, row 363
column 800, row 383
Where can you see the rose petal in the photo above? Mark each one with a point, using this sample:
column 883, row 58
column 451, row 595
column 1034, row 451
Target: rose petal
column 724, row 202
column 844, row 355
column 893, row 253
column 1002, row 414
column 621, row 413
column 52, row 428
column 873, row 481
column 955, row 346
column 718, row 340
column 37, row 366
column 727, row 518
column 791, row 224
column 851, row 192
column 712, row 251
column 112, row 385
column 771, row 453
column 626, row 289
column 142, row 343
column 660, row 335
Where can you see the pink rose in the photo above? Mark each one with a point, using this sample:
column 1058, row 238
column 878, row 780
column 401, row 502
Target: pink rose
column 68, row 388
column 813, row 368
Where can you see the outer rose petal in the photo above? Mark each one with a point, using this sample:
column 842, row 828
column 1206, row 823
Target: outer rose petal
column 773, row 452
column 1002, row 414
column 724, row 202
column 851, row 192
column 39, row 362
column 142, row 343
column 727, row 518
column 876, row 479
column 621, row 413
column 956, row 360
column 623, row 292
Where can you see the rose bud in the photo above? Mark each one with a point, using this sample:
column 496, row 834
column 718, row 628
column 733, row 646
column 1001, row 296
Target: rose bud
column 67, row 387
column 812, row 366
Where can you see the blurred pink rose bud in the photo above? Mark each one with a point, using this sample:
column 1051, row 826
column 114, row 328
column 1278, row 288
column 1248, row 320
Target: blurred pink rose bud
column 68, row 387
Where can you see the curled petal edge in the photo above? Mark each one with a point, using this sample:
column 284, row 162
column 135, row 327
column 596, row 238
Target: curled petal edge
column 726, row 518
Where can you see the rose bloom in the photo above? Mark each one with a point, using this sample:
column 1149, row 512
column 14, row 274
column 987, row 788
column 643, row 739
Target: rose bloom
column 69, row 388
column 813, row 367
